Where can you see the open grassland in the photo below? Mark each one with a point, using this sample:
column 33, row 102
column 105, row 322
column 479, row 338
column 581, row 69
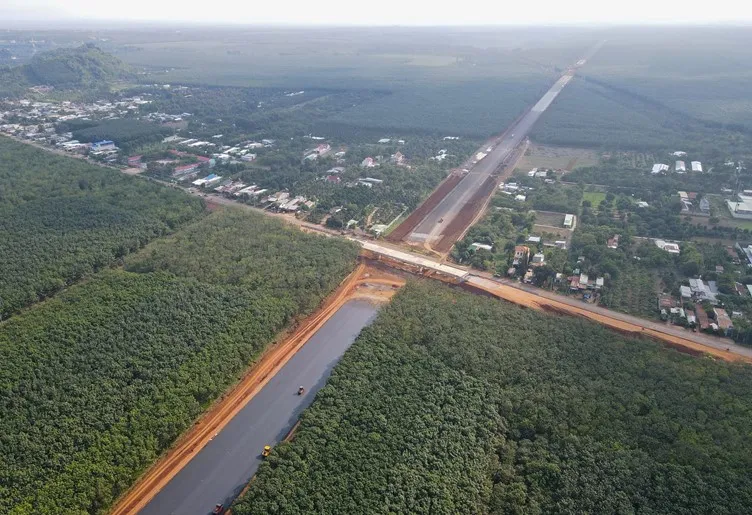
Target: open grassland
column 100, row 380
column 63, row 218
column 451, row 403
column 557, row 158
column 594, row 197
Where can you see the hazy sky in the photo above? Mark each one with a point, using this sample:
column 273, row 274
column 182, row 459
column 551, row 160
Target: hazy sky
column 383, row 12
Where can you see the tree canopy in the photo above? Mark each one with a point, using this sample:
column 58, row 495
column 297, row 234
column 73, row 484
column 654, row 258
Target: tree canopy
column 63, row 218
column 453, row 403
column 102, row 378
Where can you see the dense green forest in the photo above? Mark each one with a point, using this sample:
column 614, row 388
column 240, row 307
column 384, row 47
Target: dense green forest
column 453, row 403
column 63, row 218
column 707, row 82
column 98, row 381
column 593, row 114
column 252, row 251
column 476, row 108
column 83, row 67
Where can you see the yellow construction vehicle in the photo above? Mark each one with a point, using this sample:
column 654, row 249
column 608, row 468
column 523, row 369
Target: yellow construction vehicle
column 267, row 451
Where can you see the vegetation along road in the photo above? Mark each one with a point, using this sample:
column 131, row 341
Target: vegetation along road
column 220, row 453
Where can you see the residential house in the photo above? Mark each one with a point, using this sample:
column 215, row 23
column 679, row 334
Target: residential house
column 521, row 256
column 696, row 166
column 475, row 246
column 322, row 149
column 666, row 302
column 207, row 181
column 538, row 259
column 105, row 144
column 613, row 243
column 658, row 168
column 723, row 321
column 568, row 221
column 368, row 163
column 702, row 318
column 702, row 291
column 671, row 248
column 704, row 205
column 185, row 169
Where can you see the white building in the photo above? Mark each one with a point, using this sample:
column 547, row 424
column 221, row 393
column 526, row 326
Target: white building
column 680, row 167
column 658, row 168
column 696, row 166
column 671, row 248
column 568, row 221
column 742, row 208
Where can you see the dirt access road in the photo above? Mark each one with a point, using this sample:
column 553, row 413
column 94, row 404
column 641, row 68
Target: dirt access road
column 363, row 283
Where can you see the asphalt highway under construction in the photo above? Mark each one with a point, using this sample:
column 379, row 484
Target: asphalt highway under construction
column 222, row 468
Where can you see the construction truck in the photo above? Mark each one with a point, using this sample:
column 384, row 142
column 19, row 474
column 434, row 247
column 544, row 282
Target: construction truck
column 267, row 451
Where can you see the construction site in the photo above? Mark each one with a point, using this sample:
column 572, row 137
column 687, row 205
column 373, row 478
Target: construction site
column 304, row 354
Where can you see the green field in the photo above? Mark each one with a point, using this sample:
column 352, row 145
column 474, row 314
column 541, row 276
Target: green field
column 595, row 197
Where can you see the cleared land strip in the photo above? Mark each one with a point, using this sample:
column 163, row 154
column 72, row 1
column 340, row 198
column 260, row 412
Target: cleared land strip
column 226, row 408
column 548, row 301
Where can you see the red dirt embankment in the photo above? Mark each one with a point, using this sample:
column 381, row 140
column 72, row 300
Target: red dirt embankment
column 474, row 208
column 224, row 409
column 417, row 216
column 624, row 327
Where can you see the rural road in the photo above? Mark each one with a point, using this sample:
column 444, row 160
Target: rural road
column 222, row 468
column 431, row 226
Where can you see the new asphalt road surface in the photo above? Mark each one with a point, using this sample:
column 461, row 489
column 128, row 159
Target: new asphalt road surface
column 430, row 227
column 220, row 471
